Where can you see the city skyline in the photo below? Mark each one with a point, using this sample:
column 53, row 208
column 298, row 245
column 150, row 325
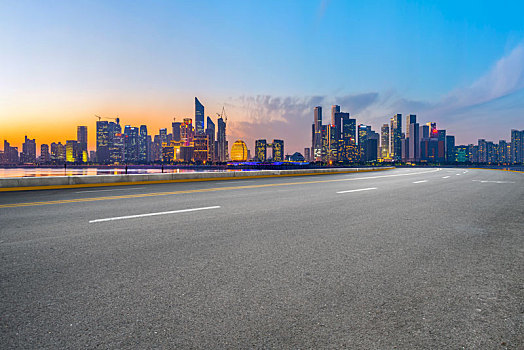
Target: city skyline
column 342, row 140
column 461, row 65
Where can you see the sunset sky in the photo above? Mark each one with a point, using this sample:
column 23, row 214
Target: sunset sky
column 269, row 63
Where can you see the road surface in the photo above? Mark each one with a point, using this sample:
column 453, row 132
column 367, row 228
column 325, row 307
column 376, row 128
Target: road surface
column 405, row 258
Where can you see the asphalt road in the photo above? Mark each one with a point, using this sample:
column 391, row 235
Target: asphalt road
column 406, row 258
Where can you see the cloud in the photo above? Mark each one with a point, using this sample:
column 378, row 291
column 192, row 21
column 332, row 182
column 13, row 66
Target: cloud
column 504, row 78
column 466, row 112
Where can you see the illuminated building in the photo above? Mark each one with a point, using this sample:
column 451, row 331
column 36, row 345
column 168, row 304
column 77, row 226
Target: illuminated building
column 461, row 154
column 333, row 138
column 102, row 141
column 131, row 144
column 143, row 148
column 450, row 149
column 396, row 137
column 317, row 135
column 176, row 131
column 503, row 152
column 45, row 156
column 71, row 151
column 201, row 147
column 384, row 141
column 57, row 153
column 260, row 150
column 239, row 151
column 210, row 132
column 221, row 142
column 517, row 146
column 334, row 110
column 81, row 137
column 117, row 153
column 186, row 131
column 115, row 144
column 199, row 117
column 278, row 150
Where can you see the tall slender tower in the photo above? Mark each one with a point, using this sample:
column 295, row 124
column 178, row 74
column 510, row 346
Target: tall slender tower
column 396, row 137
column 317, row 139
column 199, row 117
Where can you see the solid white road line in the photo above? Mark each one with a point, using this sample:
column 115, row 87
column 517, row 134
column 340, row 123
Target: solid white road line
column 445, row 177
column 457, row 174
column 360, row 189
column 152, row 214
column 116, row 189
column 421, row 181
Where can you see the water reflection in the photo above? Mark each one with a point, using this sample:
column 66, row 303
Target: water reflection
column 32, row 172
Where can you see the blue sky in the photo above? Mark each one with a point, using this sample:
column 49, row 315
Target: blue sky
column 269, row 62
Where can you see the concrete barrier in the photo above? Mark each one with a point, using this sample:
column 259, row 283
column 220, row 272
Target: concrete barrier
column 49, row 182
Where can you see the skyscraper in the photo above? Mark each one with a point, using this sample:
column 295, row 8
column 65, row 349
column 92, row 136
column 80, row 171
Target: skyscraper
column 28, row 154
column 317, row 144
column 102, row 141
column 221, row 143
column 199, row 117
column 210, row 131
column 176, row 131
column 517, row 146
column 334, row 110
column 143, row 149
column 81, row 137
column 260, row 150
column 396, row 137
column 278, row 150
column 450, row 149
column 384, row 140
column 131, row 144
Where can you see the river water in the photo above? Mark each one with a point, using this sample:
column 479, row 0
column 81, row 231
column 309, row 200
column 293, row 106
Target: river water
column 32, row 172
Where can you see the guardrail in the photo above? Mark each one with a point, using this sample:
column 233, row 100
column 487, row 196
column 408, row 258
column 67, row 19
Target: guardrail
column 44, row 182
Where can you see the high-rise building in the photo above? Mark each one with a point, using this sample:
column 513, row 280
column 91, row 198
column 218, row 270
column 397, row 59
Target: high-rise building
column 210, row 132
column 131, row 144
column 333, row 140
column 221, row 142
column 482, row 151
column 102, row 141
column 201, row 147
column 72, row 152
column 239, row 151
column 187, row 132
column 115, row 142
column 450, row 149
column 384, row 141
column 10, row 154
column 503, row 152
column 260, row 150
column 517, row 146
column 81, row 138
column 45, row 156
column 278, row 150
column 143, row 149
column 176, row 131
column 334, row 110
column 317, row 137
column 57, row 153
column 307, row 154
column 396, row 137
column 199, row 117
column 28, row 154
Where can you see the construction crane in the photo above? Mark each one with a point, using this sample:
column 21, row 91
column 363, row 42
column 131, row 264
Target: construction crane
column 99, row 118
column 223, row 114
